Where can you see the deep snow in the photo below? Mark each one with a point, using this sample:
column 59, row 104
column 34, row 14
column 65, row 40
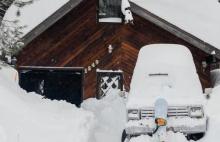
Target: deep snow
column 197, row 17
column 27, row 117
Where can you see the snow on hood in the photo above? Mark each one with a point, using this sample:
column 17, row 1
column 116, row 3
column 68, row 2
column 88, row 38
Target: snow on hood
column 198, row 17
column 180, row 81
column 33, row 14
column 26, row 117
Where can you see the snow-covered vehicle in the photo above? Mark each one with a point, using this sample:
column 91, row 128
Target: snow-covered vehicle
column 165, row 72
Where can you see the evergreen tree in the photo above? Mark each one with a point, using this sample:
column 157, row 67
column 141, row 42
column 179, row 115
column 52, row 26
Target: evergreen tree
column 10, row 32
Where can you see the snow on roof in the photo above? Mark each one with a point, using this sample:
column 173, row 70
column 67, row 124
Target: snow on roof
column 33, row 14
column 197, row 17
column 178, row 78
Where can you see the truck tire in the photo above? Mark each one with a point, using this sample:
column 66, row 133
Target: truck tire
column 195, row 137
column 124, row 137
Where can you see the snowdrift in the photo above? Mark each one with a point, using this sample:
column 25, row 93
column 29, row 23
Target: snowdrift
column 110, row 114
column 26, row 117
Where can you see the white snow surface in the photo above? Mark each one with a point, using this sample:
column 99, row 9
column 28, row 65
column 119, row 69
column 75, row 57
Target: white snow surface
column 26, row 117
column 198, row 17
column 171, row 59
column 33, row 14
column 110, row 115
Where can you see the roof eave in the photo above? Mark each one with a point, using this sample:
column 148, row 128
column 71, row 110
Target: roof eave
column 206, row 47
column 43, row 26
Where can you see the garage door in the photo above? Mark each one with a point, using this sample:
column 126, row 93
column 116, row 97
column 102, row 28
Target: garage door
column 53, row 83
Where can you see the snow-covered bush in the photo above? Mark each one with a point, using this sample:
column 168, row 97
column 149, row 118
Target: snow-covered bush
column 10, row 31
column 10, row 35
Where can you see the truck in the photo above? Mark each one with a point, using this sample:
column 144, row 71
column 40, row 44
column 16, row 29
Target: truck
column 165, row 95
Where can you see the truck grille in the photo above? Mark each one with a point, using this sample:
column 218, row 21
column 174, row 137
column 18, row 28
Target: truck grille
column 172, row 112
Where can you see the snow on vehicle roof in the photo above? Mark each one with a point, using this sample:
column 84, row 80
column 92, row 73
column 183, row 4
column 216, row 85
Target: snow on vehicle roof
column 33, row 14
column 198, row 17
column 164, row 70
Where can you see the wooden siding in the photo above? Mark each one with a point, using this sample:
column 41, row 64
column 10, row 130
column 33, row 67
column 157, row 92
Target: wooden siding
column 77, row 40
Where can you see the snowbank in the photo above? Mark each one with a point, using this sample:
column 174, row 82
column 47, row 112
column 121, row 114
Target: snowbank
column 26, row 117
column 110, row 115
column 34, row 14
column 198, row 17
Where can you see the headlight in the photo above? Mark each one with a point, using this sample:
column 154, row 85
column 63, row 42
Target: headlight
column 196, row 112
column 133, row 114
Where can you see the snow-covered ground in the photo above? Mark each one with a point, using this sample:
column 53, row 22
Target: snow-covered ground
column 198, row 17
column 28, row 117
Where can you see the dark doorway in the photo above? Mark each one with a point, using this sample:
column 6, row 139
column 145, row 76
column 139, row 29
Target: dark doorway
column 54, row 83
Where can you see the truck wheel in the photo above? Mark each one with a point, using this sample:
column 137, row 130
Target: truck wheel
column 195, row 137
column 125, row 137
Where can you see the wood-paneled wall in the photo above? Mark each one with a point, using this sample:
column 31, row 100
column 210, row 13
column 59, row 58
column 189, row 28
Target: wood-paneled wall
column 77, row 40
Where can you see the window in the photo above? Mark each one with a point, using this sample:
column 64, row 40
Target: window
column 109, row 11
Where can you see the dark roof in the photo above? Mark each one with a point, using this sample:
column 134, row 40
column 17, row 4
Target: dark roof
column 50, row 21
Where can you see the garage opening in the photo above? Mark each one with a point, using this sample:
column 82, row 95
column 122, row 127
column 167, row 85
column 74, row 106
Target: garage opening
column 64, row 83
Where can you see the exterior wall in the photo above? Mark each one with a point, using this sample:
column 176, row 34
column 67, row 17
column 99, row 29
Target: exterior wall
column 77, row 41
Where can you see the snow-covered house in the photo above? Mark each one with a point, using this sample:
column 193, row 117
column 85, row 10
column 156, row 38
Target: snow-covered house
column 72, row 37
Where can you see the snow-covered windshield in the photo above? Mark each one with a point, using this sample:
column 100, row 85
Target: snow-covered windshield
column 162, row 66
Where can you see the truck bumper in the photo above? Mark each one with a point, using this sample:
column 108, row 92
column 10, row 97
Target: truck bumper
column 185, row 125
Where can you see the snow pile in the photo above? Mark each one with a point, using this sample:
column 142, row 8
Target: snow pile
column 26, row 117
column 110, row 115
column 34, row 14
column 212, row 110
column 165, row 70
column 198, row 17
column 213, row 102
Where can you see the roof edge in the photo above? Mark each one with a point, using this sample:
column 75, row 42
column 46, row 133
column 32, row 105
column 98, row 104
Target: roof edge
column 50, row 21
column 204, row 46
